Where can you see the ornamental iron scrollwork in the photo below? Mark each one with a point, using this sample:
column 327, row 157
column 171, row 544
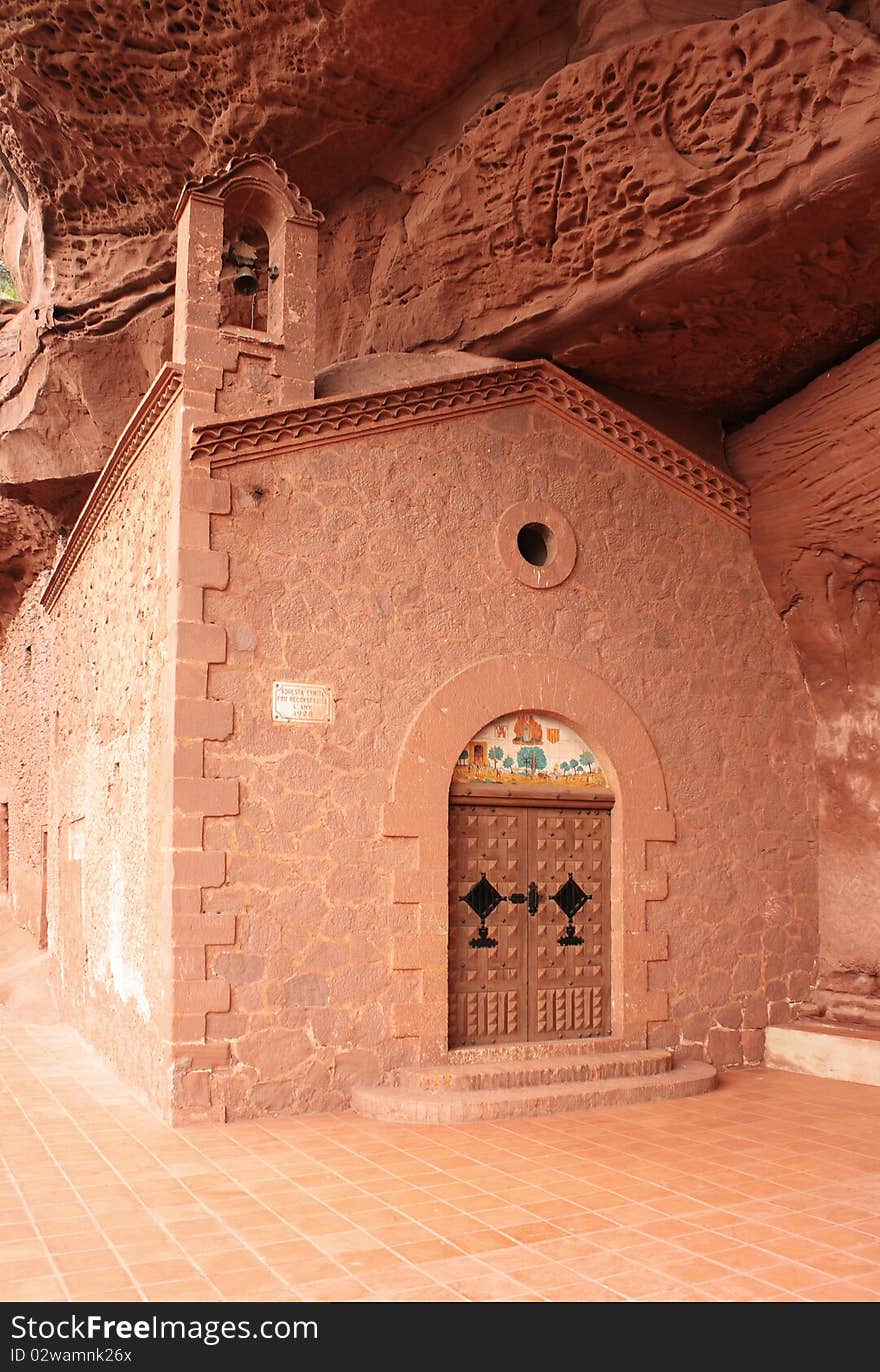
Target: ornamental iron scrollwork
column 483, row 899
column 571, row 899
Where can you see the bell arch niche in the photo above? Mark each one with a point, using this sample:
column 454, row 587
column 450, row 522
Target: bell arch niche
column 244, row 307
column 529, row 885
column 417, row 818
column 247, row 276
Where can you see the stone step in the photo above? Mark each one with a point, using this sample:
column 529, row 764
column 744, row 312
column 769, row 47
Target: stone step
column 856, row 1010
column 523, row 1052
column 825, row 1050
column 393, row 1103
column 537, row 1071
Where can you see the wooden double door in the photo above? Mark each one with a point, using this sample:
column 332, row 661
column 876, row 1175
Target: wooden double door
column 528, row 922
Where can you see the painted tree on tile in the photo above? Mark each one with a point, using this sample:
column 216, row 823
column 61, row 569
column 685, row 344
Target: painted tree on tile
column 531, row 760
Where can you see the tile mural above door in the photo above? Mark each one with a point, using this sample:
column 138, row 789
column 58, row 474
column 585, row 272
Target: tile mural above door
column 528, row 749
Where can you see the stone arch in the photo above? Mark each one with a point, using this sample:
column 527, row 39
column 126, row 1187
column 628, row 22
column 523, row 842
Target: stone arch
column 418, row 810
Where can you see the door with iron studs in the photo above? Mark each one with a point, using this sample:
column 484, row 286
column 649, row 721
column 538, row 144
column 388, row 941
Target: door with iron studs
column 528, row 923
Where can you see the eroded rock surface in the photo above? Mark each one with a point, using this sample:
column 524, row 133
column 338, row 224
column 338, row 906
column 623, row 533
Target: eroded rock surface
column 693, row 217
column 674, row 196
column 812, row 467
column 28, row 536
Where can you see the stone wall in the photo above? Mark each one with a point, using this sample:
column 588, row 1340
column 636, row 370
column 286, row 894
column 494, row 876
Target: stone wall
column 812, row 467
column 372, row 565
column 25, row 693
column 112, row 744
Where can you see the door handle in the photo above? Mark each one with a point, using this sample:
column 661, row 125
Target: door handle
column 533, row 900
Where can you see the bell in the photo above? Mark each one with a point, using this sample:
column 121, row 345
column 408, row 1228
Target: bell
column 245, row 281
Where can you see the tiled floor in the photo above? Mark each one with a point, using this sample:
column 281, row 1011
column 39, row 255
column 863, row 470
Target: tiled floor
column 768, row 1189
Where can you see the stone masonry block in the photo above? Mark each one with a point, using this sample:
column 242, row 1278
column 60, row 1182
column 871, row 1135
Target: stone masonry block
column 201, row 642
column 189, row 759
column 190, row 680
column 411, row 887
column 203, row 718
column 412, row 952
column 188, row 1028
column 187, row 831
column 203, row 567
column 199, row 869
column 652, row 885
column 652, row 1006
column 189, row 931
column 189, row 963
column 639, row 946
column 202, row 492
column 195, row 529
column 202, row 1056
column 198, row 997
column 190, row 603
column 192, row 1089
column 186, row 900
column 206, row 795
column 407, row 1020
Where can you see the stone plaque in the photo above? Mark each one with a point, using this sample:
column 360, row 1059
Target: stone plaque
column 300, row 702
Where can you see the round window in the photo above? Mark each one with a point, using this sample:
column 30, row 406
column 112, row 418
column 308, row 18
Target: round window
column 537, row 544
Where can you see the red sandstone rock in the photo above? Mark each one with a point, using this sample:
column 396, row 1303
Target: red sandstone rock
column 641, row 216
column 811, row 464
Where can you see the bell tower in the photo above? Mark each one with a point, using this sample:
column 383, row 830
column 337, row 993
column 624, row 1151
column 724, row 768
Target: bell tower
column 244, row 310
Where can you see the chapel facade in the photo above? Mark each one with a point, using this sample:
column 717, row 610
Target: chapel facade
column 404, row 739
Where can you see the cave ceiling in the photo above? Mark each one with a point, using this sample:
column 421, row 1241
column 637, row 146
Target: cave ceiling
column 675, row 197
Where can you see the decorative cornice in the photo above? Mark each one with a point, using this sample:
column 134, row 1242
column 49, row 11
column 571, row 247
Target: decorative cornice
column 329, row 421
column 254, row 169
column 152, row 407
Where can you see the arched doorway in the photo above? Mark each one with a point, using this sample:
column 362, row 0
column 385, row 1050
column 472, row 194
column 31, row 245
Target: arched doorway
column 529, row 885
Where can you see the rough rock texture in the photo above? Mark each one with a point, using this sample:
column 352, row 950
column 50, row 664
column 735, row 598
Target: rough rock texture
column 674, row 196
column 812, row 467
column 28, row 536
column 106, row 112
column 528, row 177
column 694, row 217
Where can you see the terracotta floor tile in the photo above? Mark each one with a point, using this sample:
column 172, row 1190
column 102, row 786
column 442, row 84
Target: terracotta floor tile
column 841, row 1291
column 429, row 1293
column 22, row 1270
column 334, row 1289
column 792, row 1276
column 841, row 1265
column 168, row 1269
column 93, row 1284
column 745, row 1258
column 532, row 1233
column 494, row 1286
column 483, row 1241
column 429, row 1250
column 695, row 1271
column 34, row 1289
column 193, row 1290
column 84, row 1260
column 763, row 1191
column 737, row 1288
column 20, row 1250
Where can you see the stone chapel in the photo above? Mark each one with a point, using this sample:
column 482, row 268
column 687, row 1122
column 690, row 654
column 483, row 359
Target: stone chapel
column 300, row 849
